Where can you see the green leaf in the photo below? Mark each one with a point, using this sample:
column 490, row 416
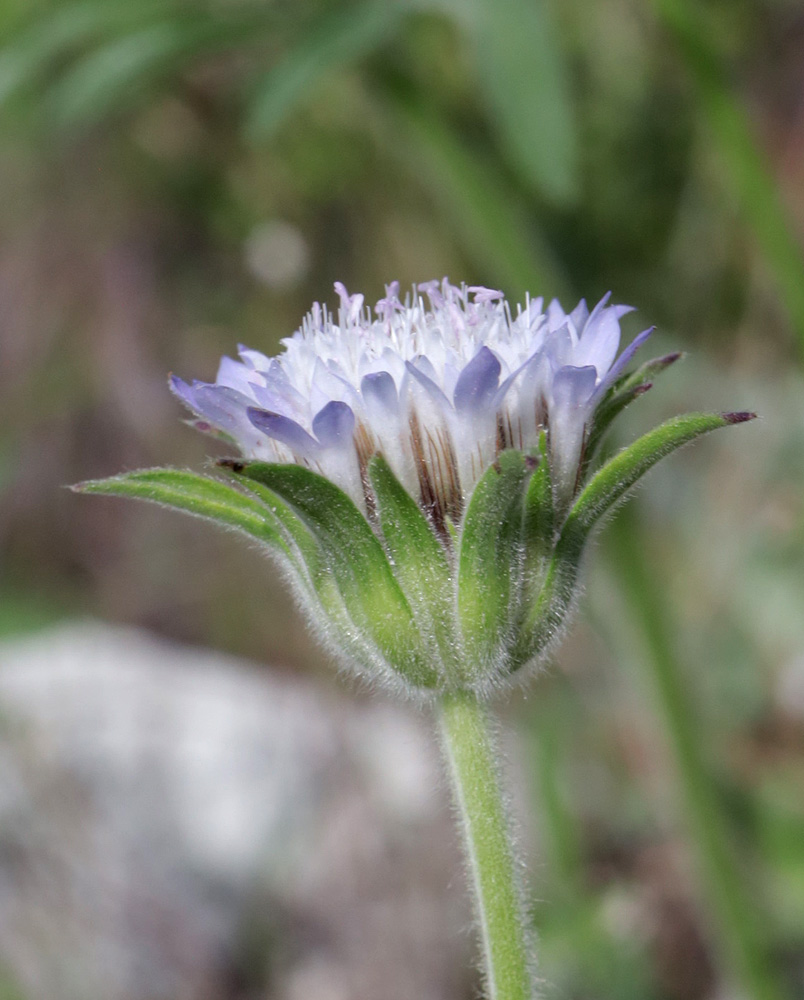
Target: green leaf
column 522, row 66
column 341, row 36
column 490, row 563
column 418, row 557
column 647, row 372
column 313, row 569
column 611, row 483
column 539, row 526
column 370, row 591
column 539, row 530
column 265, row 518
column 296, row 530
column 622, row 394
column 199, row 495
column 546, row 616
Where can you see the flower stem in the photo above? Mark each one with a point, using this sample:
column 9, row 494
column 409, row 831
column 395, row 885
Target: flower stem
column 471, row 754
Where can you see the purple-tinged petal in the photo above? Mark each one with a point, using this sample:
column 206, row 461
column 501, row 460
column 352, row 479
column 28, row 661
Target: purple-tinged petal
column 599, row 308
column 574, row 386
column 350, row 304
column 506, row 384
column 569, row 410
column 432, row 289
column 253, row 359
column 558, row 346
column 556, row 317
column 387, row 307
column 478, row 382
column 286, row 401
column 235, row 375
column 424, row 365
column 328, row 384
column 427, row 383
column 221, row 405
column 624, row 359
column 183, row 391
column 483, row 294
column 379, row 388
column 334, row 425
column 284, row 430
column 579, row 315
column 600, row 338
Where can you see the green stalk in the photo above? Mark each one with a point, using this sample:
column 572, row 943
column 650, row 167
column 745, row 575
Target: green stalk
column 736, row 916
column 472, row 756
column 746, row 167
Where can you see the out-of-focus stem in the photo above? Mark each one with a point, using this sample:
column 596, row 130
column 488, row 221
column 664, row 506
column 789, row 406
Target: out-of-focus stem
column 735, row 917
column 471, row 754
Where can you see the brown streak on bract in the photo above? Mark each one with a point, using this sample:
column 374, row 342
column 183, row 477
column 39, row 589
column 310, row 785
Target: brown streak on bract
column 428, row 501
column 438, row 479
column 364, row 448
column 500, row 444
column 449, row 492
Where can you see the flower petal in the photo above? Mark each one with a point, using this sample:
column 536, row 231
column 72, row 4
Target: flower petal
column 284, row 430
column 334, row 425
column 624, row 359
column 378, row 389
column 427, row 383
column 478, row 382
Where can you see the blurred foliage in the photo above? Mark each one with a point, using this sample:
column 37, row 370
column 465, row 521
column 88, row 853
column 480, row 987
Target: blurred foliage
column 181, row 175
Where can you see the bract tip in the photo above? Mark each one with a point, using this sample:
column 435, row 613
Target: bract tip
column 739, row 418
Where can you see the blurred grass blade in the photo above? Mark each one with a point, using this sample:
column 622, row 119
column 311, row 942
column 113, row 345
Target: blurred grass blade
column 111, row 77
column 115, row 75
column 522, row 68
column 341, row 36
column 737, row 920
column 486, row 216
column 45, row 41
column 23, row 59
column 747, row 171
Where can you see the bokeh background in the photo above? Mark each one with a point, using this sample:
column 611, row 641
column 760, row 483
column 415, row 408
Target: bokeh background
column 192, row 805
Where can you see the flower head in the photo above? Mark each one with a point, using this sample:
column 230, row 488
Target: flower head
column 439, row 384
column 424, row 472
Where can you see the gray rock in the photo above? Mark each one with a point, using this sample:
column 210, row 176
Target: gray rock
column 176, row 823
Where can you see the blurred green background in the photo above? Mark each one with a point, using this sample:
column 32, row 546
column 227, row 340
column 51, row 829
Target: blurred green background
column 177, row 177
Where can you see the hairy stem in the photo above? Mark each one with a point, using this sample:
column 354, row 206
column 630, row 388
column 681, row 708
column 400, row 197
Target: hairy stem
column 471, row 754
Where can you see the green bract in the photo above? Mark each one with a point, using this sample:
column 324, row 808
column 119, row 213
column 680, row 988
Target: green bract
column 425, row 606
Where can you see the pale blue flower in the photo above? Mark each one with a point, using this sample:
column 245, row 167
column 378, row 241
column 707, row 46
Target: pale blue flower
column 439, row 383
